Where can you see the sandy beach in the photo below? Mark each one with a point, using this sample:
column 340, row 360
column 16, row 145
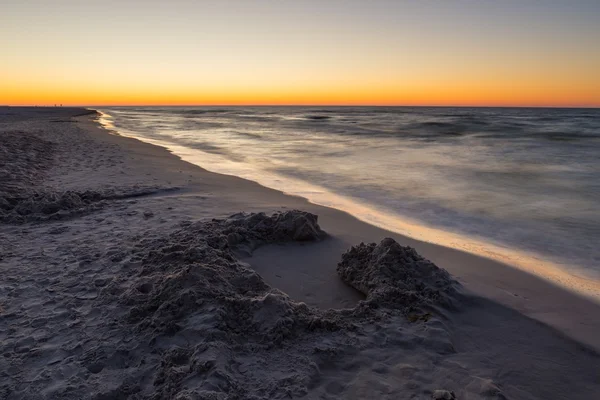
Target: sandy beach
column 128, row 273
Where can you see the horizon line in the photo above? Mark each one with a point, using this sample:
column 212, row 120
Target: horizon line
column 58, row 105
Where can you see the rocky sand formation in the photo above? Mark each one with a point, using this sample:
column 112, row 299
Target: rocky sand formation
column 396, row 276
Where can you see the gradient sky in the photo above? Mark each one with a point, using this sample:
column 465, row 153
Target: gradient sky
column 428, row 52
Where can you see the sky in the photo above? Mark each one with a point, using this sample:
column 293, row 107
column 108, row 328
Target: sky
column 346, row 52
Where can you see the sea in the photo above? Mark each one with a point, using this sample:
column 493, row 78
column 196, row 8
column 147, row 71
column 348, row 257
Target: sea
column 521, row 185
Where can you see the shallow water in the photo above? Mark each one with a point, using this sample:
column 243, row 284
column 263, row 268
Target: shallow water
column 522, row 185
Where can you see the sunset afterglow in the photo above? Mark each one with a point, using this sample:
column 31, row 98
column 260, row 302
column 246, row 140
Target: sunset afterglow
column 267, row 52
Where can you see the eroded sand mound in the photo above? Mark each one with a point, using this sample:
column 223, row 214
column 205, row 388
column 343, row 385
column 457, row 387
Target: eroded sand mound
column 203, row 276
column 283, row 226
column 35, row 206
column 396, row 276
column 213, row 329
column 42, row 206
column 209, row 327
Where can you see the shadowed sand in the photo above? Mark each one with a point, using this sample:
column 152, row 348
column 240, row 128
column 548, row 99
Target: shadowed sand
column 119, row 283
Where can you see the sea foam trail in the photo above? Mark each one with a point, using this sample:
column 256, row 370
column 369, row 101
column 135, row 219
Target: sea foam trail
column 519, row 186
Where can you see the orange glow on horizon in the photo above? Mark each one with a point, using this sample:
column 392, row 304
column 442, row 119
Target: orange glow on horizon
column 292, row 101
column 300, row 53
column 459, row 95
column 368, row 87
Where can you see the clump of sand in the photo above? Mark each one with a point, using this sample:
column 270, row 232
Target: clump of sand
column 195, row 268
column 36, row 206
column 41, row 206
column 395, row 276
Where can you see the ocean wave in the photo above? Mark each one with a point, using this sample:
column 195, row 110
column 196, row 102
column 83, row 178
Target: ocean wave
column 507, row 176
column 317, row 117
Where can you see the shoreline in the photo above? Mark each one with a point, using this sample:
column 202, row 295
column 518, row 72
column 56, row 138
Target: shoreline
column 104, row 300
column 510, row 285
column 529, row 262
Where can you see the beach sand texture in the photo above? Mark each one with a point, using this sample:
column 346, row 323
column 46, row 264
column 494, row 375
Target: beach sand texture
column 130, row 274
